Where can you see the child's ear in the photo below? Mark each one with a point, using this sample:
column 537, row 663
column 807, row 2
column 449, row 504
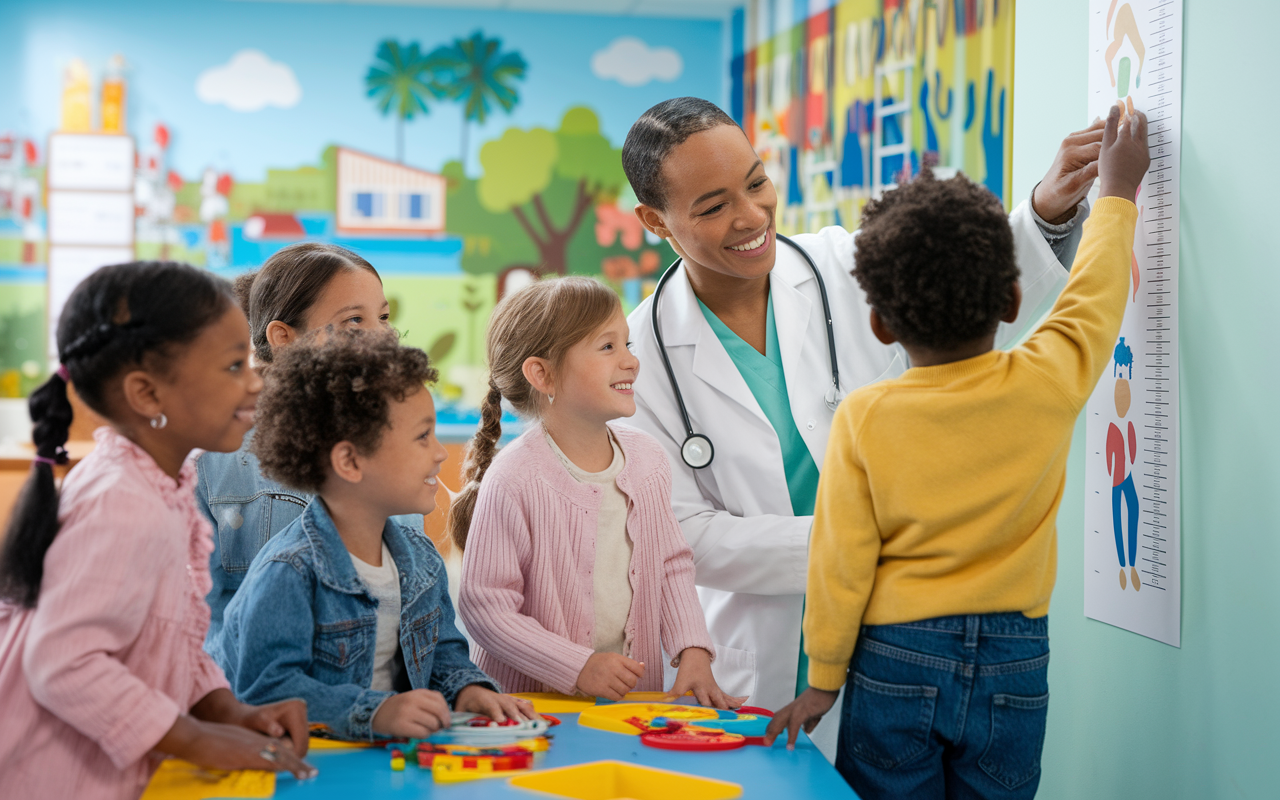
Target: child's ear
column 537, row 371
column 880, row 329
column 344, row 460
column 140, row 393
column 1015, row 305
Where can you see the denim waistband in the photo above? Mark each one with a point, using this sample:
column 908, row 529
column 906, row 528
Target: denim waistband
column 1001, row 624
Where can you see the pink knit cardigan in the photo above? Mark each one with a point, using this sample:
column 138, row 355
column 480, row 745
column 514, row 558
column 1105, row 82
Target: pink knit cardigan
column 526, row 589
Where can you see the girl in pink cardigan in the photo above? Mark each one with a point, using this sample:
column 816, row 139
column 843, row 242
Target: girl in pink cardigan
column 102, row 611
column 575, row 574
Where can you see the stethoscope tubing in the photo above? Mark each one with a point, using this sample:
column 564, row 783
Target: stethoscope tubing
column 833, row 396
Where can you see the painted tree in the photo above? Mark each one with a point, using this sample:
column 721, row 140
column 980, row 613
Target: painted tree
column 520, row 167
column 476, row 73
column 401, row 81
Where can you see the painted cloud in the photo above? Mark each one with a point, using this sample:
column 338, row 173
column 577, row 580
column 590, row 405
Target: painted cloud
column 631, row 62
column 250, row 81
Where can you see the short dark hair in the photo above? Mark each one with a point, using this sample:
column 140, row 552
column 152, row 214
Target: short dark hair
column 658, row 131
column 288, row 285
column 935, row 258
column 120, row 317
column 327, row 389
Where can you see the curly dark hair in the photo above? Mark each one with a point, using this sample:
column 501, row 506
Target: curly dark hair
column 330, row 389
column 935, row 258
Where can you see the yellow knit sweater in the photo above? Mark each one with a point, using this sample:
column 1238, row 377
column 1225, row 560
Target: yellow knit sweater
column 940, row 489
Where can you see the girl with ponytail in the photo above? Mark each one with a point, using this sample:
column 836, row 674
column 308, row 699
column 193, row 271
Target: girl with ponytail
column 102, row 586
column 575, row 575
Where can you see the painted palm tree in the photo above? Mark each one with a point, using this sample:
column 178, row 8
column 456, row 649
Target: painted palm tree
column 401, row 81
column 480, row 75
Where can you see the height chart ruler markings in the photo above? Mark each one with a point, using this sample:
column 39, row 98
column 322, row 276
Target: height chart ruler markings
column 1132, row 561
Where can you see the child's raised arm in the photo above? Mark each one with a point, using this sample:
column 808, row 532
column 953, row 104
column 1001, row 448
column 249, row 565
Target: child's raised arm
column 1073, row 345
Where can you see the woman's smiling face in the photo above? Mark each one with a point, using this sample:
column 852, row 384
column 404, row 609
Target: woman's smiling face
column 720, row 204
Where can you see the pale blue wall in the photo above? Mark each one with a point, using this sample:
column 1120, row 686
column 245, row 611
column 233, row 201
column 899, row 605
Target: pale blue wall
column 1131, row 718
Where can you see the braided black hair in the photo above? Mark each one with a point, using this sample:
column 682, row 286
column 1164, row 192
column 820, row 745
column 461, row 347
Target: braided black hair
column 118, row 318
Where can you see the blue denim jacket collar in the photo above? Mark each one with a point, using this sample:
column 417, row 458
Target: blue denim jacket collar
column 332, row 561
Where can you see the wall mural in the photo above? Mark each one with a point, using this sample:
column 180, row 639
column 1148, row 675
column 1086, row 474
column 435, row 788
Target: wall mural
column 513, row 193
column 843, row 103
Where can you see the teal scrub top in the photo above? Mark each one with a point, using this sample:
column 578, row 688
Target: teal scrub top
column 768, row 383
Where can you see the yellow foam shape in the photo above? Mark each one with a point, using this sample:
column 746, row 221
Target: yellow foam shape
column 552, row 703
column 614, row 717
column 181, row 780
column 618, row 780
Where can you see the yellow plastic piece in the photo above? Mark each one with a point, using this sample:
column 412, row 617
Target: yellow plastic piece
column 614, row 717
column 181, row 780
column 318, row 743
column 618, row 780
column 397, row 765
column 450, row 769
column 551, row 703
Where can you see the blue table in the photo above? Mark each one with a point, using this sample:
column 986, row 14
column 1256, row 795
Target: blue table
column 762, row 772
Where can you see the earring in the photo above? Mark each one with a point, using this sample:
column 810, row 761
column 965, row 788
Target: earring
column 551, row 400
column 159, row 421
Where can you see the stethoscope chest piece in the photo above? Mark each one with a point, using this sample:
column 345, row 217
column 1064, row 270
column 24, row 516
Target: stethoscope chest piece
column 697, row 451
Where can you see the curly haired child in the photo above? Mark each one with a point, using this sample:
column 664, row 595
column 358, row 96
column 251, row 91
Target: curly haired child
column 348, row 607
column 102, row 586
column 934, row 546
column 575, row 574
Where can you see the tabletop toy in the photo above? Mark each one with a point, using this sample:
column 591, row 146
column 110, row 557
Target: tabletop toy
column 641, row 718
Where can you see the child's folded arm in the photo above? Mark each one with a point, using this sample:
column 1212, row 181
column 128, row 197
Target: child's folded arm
column 96, row 594
column 491, row 595
column 268, row 646
column 1072, row 347
column 451, row 668
column 844, row 550
column 683, row 624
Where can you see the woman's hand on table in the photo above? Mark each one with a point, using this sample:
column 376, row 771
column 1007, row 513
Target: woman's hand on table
column 694, row 675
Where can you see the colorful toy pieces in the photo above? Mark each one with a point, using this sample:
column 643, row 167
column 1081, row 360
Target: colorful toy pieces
column 680, row 727
column 476, row 747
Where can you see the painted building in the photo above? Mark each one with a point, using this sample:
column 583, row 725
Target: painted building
column 380, row 196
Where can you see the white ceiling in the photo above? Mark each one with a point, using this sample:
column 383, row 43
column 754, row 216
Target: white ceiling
column 698, row 9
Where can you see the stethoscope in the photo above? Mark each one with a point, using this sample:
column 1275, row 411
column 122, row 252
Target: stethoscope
column 697, row 450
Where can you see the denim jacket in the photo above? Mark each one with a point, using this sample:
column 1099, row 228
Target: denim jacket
column 246, row 508
column 304, row 625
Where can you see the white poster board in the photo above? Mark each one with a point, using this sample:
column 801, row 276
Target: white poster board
column 90, row 161
column 91, row 218
column 67, row 267
column 1132, row 556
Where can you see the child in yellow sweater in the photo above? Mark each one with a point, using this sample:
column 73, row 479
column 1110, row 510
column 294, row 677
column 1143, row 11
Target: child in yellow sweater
column 934, row 543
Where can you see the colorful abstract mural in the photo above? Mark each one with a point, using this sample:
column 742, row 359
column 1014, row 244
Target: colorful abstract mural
column 842, row 99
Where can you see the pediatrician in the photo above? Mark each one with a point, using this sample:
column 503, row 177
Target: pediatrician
column 742, row 388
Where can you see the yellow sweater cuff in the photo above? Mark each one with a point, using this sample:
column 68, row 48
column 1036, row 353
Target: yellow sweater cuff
column 827, row 677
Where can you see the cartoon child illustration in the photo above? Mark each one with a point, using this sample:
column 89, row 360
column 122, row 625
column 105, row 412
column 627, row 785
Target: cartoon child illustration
column 1120, row 469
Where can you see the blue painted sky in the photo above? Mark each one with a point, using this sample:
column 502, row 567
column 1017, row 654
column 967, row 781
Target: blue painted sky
column 330, row 48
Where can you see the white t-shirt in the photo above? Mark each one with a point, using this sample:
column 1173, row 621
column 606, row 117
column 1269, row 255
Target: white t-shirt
column 612, row 573
column 384, row 585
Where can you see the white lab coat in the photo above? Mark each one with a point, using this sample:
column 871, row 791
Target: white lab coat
column 751, row 552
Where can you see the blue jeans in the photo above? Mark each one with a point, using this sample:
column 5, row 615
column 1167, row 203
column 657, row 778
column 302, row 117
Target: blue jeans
column 1130, row 495
column 952, row 707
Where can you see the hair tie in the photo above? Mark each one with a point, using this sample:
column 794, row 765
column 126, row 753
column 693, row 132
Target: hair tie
column 59, row 457
column 63, row 373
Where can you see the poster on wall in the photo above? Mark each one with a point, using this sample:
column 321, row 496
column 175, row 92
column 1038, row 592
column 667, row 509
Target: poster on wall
column 1131, row 473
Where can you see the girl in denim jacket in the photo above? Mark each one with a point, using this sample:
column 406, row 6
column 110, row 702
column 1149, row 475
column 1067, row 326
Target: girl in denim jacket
column 303, row 287
column 102, row 611
column 347, row 607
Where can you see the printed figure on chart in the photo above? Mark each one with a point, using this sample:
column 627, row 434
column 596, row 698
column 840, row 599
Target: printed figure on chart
column 1126, row 27
column 1122, row 453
